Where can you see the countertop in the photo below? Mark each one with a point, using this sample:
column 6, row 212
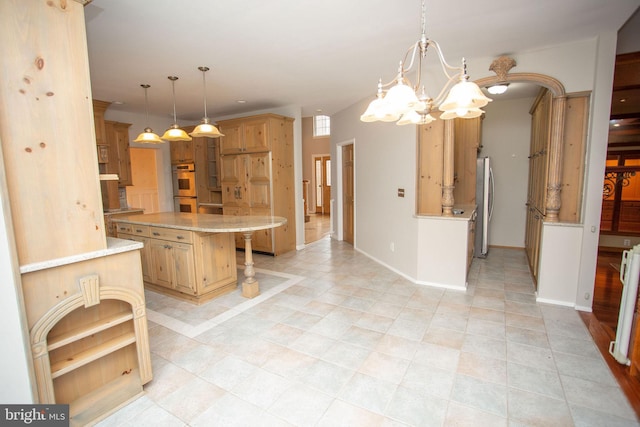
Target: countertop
column 204, row 223
column 122, row 211
column 461, row 212
column 114, row 246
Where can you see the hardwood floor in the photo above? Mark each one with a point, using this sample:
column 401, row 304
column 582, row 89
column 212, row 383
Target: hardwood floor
column 317, row 227
column 603, row 320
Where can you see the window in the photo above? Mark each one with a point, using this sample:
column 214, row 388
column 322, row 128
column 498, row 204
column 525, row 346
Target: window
column 321, row 126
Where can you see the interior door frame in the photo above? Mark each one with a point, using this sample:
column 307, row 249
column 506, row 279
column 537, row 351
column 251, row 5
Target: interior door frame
column 325, row 204
column 339, row 208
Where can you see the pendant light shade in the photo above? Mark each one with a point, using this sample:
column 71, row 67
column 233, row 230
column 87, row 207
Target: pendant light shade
column 174, row 133
column 205, row 128
column 147, row 136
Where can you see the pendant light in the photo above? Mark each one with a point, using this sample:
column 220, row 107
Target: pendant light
column 174, row 133
column 205, row 128
column 147, row 137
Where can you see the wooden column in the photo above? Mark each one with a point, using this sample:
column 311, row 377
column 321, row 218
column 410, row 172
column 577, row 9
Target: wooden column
column 554, row 183
column 448, row 170
column 47, row 130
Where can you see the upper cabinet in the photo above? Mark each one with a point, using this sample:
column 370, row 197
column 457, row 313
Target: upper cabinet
column 182, row 151
column 245, row 135
column 120, row 159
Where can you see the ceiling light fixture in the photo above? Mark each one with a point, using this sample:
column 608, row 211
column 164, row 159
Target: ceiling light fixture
column 406, row 104
column 205, row 128
column 174, row 133
column 147, row 137
column 498, row 89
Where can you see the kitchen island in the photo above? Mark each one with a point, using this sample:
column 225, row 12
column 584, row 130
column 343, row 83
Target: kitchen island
column 193, row 256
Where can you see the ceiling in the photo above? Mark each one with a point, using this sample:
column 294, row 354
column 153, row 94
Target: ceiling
column 322, row 55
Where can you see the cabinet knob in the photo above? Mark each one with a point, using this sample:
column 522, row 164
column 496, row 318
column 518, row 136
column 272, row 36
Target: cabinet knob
column 180, row 237
column 155, row 233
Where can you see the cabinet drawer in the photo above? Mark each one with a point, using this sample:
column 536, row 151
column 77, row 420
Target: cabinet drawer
column 171, row 234
column 140, row 230
column 123, row 228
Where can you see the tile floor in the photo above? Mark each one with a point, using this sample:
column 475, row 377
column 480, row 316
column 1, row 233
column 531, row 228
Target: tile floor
column 338, row 340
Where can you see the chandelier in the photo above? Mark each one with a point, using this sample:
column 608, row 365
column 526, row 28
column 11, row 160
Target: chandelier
column 410, row 104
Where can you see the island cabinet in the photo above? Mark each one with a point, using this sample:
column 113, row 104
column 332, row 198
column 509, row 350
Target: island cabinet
column 257, row 176
column 185, row 264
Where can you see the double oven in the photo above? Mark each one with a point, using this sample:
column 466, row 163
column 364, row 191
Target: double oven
column 184, row 188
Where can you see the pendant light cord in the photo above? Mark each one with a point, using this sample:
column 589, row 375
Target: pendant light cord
column 204, row 86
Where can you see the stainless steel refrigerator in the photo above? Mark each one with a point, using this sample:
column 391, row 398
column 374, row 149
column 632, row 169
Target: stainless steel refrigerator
column 484, row 201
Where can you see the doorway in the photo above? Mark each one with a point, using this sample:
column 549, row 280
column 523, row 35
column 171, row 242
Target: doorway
column 345, row 192
column 322, row 181
column 144, row 191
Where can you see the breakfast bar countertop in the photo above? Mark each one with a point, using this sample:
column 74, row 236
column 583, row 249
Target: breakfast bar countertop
column 205, row 223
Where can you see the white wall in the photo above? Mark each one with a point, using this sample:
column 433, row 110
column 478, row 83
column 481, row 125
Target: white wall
column 506, row 135
column 16, row 370
column 386, row 150
column 385, row 160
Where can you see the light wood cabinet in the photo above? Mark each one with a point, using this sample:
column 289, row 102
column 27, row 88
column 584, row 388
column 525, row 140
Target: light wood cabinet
column 246, row 135
column 182, row 151
column 119, row 157
column 460, row 137
column 541, row 161
column 257, row 177
column 185, row 264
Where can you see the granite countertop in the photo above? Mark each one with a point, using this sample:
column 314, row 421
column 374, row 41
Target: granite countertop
column 114, row 246
column 205, row 223
column 122, row 211
column 460, row 212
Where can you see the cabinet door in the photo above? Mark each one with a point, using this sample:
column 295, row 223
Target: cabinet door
column 124, row 157
column 213, row 163
column 161, row 263
column 145, row 259
column 256, row 135
column 233, row 177
column 262, row 240
column 233, row 210
column 184, row 266
column 181, row 151
column 231, row 142
column 258, row 186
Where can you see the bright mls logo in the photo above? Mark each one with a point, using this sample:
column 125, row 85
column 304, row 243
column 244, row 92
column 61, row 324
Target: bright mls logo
column 34, row 415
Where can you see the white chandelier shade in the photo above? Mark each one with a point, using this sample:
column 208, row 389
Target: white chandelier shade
column 406, row 104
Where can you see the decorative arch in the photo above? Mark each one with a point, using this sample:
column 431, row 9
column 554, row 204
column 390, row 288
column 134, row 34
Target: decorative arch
column 41, row 329
column 558, row 110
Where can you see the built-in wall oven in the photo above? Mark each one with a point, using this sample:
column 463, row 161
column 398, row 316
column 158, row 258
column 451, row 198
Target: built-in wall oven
column 185, row 204
column 184, row 180
column 184, row 188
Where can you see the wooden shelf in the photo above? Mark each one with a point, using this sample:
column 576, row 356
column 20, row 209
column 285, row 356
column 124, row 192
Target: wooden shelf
column 87, row 330
column 104, row 400
column 80, row 359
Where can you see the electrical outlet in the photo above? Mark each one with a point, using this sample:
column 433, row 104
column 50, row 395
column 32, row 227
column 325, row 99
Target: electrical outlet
column 392, row 247
column 626, row 243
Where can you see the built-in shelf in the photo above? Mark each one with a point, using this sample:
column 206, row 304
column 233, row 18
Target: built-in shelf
column 87, row 330
column 84, row 357
column 112, row 395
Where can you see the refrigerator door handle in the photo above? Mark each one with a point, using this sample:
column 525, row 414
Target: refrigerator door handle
column 491, row 191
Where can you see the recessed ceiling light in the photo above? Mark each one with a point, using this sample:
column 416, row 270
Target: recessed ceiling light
column 241, row 101
column 623, row 100
column 117, row 102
